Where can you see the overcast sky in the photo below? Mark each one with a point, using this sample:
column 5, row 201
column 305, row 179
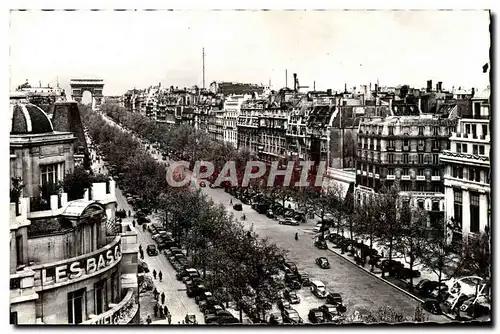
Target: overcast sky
column 138, row 49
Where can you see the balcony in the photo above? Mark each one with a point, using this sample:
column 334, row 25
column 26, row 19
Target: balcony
column 436, row 178
column 405, row 177
column 391, row 177
column 119, row 314
column 377, row 176
column 370, row 174
column 420, row 178
column 391, row 148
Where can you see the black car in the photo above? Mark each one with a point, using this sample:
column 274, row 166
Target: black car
column 195, row 290
column 270, row 213
column 291, row 296
column 304, row 278
column 291, row 316
column 330, row 312
column 404, row 273
column 291, row 266
column 294, row 284
column 213, row 309
column 432, row 306
column 425, row 286
column 152, row 250
column 321, row 244
column 283, row 304
column 316, row 316
column 275, row 319
column 323, row 262
column 390, row 265
column 238, row 207
column 334, row 299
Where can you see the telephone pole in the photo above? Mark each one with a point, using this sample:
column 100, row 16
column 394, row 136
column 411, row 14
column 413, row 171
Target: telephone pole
column 203, row 56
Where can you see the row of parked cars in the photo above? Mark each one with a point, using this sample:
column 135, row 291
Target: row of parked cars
column 214, row 312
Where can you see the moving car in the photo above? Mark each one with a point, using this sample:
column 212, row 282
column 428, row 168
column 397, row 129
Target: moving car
column 431, row 306
column 152, row 250
column 238, row 207
column 288, row 221
column 334, row 299
column 323, row 262
column 291, row 316
column 316, row 316
column 318, row 289
column 321, row 244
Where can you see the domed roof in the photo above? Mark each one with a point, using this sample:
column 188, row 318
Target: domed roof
column 27, row 118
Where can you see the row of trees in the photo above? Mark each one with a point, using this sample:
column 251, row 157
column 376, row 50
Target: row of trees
column 235, row 262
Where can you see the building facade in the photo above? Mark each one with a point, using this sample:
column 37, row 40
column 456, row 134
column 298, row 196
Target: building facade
column 70, row 262
column 232, row 108
column 467, row 174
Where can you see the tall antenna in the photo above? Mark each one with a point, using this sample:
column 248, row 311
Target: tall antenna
column 203, row 55
column 286, row 78
column 57, row 82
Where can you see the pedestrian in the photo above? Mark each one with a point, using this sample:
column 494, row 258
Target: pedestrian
column 140, row 248
column 160, row 310
column 155, row 294
column 169, row 317
column 154, row 273
column 148, row 320
column 296, row 235
column 163, row 298
column 144, row 228
column 142, row 255
column 133, row 222
column 129, row 214
column 231, row 201
column 160, row 275
column 165, row 310
column 155, row 309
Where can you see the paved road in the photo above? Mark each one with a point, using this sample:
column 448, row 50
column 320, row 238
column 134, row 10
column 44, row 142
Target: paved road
column 359, row 289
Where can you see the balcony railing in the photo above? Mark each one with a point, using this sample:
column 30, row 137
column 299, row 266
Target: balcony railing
column 120, row 314
column 405, row 177
column 391, row 177
column 420, row 178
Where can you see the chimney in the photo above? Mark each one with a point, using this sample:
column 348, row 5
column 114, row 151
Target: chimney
column 440, row 86
column 86, row 195
column 345, row 88
column 295, row 82
column 473, row 91
column 329, row 92
column 429, row 86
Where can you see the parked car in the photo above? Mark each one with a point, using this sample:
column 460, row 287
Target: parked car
column 318, row 289
column 390, row 266
column 404, row 273
column 190, row 318
column 212, row 310
column 431, row 306
column 291, row 296
column 334, row 299
column 317, row 228
column 283, row 304
column 291, row 316
column 440, row 291
column 316, row 316
column 195, row 290
column 203, row 296
column 291, row 266
column 330, row 313
column 152, row 250
column 323, row 262
column 304, row 278
column 321, row 244
column 238, row 207
column 275, row 319
column 189, row 272
column 270, row 213
column 293, row 284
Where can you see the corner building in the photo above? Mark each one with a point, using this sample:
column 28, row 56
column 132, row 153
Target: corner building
column 70, row 263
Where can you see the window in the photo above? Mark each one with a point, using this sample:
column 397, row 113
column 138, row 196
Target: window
column 13, row 318
column 457, row 204
column 390, row 158
column 435, row 159
column 51, row 173
column 481, row 149
column 390, row 171
column 420, row 130
column 436, row 172
column 390, row 144
column 485, row 130
column 435, row 206
column 477, row 108
column 435, row 144
column 436, row 188
column 421, row 172
column 421, row 159
column 420, row 202
column 421, row 143
column 406, row 142
column 467, row 128
column 435, row 131
column 406, row 171
column 464, row 148
column 474, row 174
column 475, row 149
column 391, row 131
column 377, row 170
column 474, row 212
column 19, row 249
column 459, row 148
column 405, row 186
column 405, row 158
column 76, row 306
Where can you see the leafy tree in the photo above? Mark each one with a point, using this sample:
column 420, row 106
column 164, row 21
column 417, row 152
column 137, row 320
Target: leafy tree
column 75, row 183
column 390, row 223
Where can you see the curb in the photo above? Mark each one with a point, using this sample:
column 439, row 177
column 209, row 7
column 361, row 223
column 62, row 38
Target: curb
column 385, row 281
